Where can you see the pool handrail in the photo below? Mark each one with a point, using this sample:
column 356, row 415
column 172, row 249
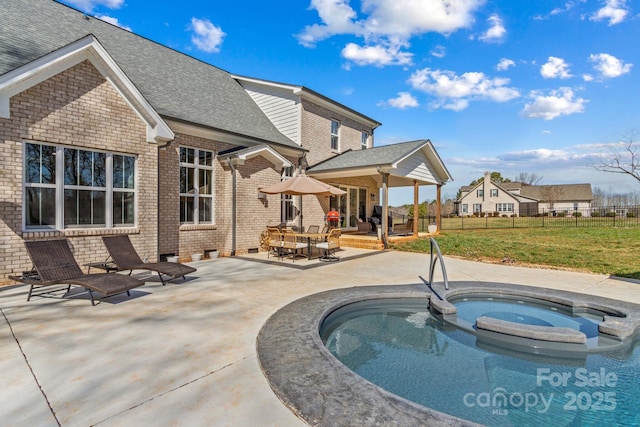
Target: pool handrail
column 432, row 266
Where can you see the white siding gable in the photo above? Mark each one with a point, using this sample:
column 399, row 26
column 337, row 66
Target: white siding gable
column 416, row 167
column 281, row 106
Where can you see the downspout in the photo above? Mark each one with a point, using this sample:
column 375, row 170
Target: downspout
column 158, row 200
column 233, row 207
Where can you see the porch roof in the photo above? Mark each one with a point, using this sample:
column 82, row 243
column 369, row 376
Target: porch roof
column 404, row 162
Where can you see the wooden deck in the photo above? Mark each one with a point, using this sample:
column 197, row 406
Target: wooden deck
column 370, row 241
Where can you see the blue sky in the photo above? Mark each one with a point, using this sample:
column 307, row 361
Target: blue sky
column 543, row 87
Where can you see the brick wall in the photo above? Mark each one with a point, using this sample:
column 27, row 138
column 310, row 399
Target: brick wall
column 316, row 137
column 252, row 214
column 77, row 107
column 316, row 132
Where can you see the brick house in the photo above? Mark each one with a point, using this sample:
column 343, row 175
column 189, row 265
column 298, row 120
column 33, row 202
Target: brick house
column 105, row 132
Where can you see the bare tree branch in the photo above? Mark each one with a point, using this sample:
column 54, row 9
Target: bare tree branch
column 624, row 160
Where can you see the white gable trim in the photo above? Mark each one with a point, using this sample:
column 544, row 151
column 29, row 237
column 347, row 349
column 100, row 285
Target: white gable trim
column 85, row 49
column 239, row 157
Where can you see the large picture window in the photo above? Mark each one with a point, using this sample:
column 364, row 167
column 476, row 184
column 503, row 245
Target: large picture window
column 66, row 187
column 196, row 186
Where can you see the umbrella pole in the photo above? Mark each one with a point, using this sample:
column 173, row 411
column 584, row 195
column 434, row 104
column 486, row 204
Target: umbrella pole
column 300, row 216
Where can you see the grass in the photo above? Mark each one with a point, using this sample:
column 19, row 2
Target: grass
column 606, row 250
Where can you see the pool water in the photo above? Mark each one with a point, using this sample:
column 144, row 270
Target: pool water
column 400, row 346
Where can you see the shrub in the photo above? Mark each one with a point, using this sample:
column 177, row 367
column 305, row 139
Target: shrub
column 595, row 214
column 577, row 214
column 611, row 214
column 562, row 214
column 631, row 215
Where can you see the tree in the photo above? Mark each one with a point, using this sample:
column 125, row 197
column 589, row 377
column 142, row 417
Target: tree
column 528, row 178
column 624, row 158
column 495, row 177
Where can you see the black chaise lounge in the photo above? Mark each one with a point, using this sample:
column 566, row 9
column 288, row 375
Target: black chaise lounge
column 125, row 257
column 54, row 264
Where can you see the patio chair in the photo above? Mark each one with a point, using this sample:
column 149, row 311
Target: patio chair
column 125, row 257
column 291, row 243
column 54, row 264
column 330, row 246
column 275, row 241
column 404, row 229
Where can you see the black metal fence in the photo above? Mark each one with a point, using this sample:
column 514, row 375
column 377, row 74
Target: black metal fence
column 601, row 216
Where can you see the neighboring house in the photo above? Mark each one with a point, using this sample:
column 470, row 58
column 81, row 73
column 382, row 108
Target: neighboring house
column 517, row 198
column 106, row 132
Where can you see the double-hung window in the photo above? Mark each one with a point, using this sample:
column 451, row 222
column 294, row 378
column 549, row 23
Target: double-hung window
column 479, row 193
column 67, row 187
column 287, row 209
column 365, row 140
column 493, row 192
column 196, row 186
column 477, row 207
column 335, row 135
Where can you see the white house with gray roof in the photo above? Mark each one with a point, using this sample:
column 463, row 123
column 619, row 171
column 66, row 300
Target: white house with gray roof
column 516, row 198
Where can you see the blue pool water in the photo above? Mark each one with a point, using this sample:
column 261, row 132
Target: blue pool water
column 400, row 346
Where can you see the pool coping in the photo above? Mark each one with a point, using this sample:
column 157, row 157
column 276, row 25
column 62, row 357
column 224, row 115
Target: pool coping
column 322, row 391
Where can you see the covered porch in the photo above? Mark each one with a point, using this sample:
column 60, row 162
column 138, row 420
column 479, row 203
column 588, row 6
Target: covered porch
column 408, row 164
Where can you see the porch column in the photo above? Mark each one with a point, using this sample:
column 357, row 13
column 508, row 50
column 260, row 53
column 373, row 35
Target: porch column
column 385, row 207
column 416, row 187
column 438, row 206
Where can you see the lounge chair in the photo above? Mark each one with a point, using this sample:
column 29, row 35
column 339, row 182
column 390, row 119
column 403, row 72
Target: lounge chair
column 125, row 257
column 54, row 264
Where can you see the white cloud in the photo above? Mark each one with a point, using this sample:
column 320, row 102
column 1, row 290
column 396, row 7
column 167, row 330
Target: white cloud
column 207, row 37
column 555, row 68
column 89, row 5
column 439, row 51
column 608, row 66
column 455, row 92
column 505, row 64
column 113, row 21
column 337, row 18
column 376, row 55
column 403, row 101
column 587, row 77
column 496, row 32
column 386, row 25
column 559, row 102
column 613, row 10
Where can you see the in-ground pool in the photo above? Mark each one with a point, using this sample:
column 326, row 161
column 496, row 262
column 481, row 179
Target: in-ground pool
column 438, row 361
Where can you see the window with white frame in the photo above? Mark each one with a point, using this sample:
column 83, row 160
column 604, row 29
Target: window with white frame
column 365, row 140
column 196, row 186
column 480, row 193
column 493, row 192
column 335, row 135
column 287, row 211
column 477, row 207
column 67, row 187
column 465, row 208
column 504, row 207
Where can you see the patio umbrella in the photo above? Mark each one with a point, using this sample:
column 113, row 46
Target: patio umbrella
column 301, row 184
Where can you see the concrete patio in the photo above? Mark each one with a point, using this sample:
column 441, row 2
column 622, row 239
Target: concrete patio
column 185, row 354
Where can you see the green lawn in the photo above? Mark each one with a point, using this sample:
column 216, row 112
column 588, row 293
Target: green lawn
column 606, row 250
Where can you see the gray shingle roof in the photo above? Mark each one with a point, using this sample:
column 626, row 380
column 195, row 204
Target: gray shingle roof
column 176, row 85
column 377, row 156
column 566, row 192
